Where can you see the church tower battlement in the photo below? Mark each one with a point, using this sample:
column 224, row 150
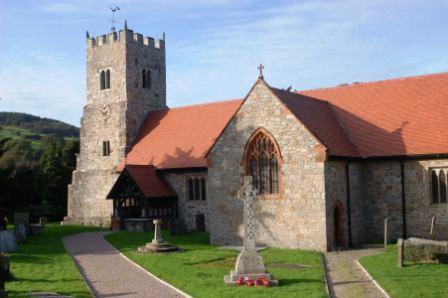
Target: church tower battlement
column 126, row 79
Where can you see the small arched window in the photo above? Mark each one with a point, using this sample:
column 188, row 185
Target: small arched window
column 435, row 187
column 143, row 78
column 442, row 186
column 107, row 79
column 102, row 80
column 262, row 162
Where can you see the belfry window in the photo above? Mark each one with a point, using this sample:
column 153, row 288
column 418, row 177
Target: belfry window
column 439, row 186
column 105, row 79
column 262, row 162
column 146, row 79
column 106, row 148
column 196, row 188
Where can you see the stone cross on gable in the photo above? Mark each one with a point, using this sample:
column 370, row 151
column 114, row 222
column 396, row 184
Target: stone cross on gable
column 248, row 195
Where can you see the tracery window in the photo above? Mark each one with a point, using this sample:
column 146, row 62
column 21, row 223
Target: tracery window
column 262, row 162
column 439, row 186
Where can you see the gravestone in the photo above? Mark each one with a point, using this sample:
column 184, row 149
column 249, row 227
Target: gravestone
column 157, row 244
column 8, row 242
column 22, row 226
column 249, row 263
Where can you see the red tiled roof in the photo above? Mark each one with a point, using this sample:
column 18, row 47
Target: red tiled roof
column 180, row 137
column 318, row 117
column 149, row 182
column 405, row 116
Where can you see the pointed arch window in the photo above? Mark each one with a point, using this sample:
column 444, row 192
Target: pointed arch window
column 442, row 186
column 262, row 162
column 439, row 194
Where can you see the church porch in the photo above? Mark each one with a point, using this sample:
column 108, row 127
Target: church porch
column 139, row 196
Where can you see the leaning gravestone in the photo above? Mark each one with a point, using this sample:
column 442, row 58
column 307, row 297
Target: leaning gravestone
column 22, row 226
column 249, row 263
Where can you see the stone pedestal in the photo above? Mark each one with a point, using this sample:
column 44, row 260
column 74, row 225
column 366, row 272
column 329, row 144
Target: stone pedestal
column 157, row 244
column 249, row 263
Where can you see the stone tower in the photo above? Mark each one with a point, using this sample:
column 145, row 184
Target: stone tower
column 126, row 78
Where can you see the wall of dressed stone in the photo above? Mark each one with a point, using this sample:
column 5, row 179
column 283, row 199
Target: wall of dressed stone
column 295, row 218
column 188, row 209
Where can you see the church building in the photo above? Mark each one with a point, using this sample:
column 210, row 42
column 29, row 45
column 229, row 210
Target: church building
column 329, row 165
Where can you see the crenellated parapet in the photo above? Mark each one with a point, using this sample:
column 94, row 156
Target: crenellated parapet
column 125, row 36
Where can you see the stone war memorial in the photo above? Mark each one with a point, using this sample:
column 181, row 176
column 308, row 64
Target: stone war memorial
column 249, row 266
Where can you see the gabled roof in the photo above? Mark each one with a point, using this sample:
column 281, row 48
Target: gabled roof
column 150, row 184
column 180, row 137
column 398, row 117
column 318, row 117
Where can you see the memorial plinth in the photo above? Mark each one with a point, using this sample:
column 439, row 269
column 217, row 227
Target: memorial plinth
column 157, row 244
column 249, row 264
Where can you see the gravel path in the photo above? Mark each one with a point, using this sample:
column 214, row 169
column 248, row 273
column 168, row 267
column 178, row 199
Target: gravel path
column 346, row 279
column 108, row 273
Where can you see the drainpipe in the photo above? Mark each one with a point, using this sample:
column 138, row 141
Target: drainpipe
column 349, row 209
column 403, row 200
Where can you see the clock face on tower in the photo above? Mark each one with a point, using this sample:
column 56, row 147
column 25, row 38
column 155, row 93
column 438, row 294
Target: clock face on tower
column 104, row 111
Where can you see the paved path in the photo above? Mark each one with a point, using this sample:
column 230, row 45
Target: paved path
column 346, row 279
column 108, row 273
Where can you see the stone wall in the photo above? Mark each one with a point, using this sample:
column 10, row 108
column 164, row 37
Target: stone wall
column 114, row 115
column 419, row 207
column 296, row 218
column 336, row 191
column 188, row 209
column 383, row 199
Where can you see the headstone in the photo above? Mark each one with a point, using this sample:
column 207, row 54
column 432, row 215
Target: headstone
column 43, row 221
column 400, row 248
column 249, row 264
column 157, row 244
column 20, row 232
column 21, row 225
column 8, row 242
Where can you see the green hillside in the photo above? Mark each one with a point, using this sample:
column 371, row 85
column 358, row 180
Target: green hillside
column 38, row 125
column 17, row 133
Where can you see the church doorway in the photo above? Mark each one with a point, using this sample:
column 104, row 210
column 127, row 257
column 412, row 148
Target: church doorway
column 340, row 240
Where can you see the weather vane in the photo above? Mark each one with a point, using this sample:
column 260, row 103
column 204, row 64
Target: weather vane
column 114, row 10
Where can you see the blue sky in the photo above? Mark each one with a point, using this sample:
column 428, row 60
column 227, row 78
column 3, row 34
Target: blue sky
column 214, row 46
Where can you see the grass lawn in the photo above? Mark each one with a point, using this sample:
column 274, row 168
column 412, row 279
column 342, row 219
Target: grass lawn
column 200, row 269
column 42, row 264
column 413, row 280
